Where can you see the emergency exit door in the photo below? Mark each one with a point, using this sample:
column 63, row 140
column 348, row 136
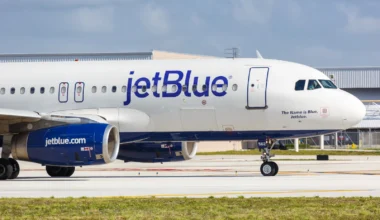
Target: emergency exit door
column 257, row 88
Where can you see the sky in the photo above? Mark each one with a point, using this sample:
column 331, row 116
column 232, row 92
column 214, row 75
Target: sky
column 321, row 33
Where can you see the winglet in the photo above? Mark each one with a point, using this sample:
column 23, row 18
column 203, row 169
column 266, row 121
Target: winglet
column 259, row 55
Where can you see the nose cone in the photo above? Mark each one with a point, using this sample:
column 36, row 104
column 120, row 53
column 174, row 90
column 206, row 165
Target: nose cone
column 354, row 111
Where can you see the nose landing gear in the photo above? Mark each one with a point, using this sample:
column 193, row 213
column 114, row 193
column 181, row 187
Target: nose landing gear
column 268, row 168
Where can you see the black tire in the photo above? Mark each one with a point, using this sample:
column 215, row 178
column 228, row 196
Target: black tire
column 56, row 171
column 267, row 169
column 70, row 171
column 5, row 169
column 15, row 168
column 275, row 168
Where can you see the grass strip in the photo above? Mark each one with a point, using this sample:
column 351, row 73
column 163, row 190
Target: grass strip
column 188, row 208
column 301, row 152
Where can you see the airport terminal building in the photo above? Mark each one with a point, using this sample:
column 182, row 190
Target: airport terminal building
column 362, row 82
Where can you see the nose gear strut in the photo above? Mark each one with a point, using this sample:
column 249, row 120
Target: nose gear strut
column 268, row 168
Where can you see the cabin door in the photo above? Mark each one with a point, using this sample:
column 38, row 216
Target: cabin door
column 257, row 88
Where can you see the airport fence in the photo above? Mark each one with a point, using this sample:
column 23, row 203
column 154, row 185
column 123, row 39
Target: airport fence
column 346, row 140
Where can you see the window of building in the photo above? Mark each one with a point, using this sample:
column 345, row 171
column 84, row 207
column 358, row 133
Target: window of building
column 52, row 90
column 32, row 90
column 327, row 84
column 234, row 87
column 104, row 89
column 13, row 90
column 94, row 89
column 300, row 85
column 42, row 90
column 123, row 89
column 114, row 88
column 22, row 90
column 313, row 84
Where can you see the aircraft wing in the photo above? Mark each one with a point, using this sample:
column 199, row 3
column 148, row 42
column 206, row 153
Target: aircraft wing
column 12, row 115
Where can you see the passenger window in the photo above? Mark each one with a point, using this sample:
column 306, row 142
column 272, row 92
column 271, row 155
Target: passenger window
column 184, row 88
column 42, row 90
column 234, row 87
column 225, row 86
column 143, row 88
column 204, row 88
column 313, row 84
column 164, row 88
column 13, row 90
column 52, row 90
column 174, row 88
column 154, row 88
column 124, row 89
column 94, row 89
column 2, row 91
column 300, row 85
column 32, row 90
column 134, row 88
column 327, row 84
column 114, row 88
column 214, row 87
column 194, row 87
column 104, row 89
column 22, row 90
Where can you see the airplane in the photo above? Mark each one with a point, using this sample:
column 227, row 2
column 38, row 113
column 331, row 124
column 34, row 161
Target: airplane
column 68, row 114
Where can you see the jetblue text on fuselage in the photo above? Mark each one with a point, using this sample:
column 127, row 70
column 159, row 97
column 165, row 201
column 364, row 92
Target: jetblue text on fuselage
column 173, row 78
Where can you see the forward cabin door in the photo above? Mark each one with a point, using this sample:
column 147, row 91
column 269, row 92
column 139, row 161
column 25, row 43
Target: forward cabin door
column 257, row 88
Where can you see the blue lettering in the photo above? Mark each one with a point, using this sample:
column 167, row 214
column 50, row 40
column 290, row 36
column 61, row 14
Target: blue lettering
column 173, row 81
column 205, row 91
column 138, row 86
column 155, row 79
column 170, row 83
column 187, row 84
column 129, row 88
column 220, row 85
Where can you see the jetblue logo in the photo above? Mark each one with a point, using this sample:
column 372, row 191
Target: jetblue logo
column 174, row 78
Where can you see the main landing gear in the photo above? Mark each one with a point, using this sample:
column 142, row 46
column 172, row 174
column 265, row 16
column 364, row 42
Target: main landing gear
column 9, row 168
column 268, row 168
column 56, row 171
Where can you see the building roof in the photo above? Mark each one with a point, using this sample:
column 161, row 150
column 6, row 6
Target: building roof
column 354, row 77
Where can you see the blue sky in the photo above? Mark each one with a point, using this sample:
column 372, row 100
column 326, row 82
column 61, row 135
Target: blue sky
column 319, row 33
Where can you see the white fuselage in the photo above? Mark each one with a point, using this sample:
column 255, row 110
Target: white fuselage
column 241, row 95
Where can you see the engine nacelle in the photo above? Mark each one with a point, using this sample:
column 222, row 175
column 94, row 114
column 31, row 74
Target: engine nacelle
column 157, row 152
column 70, row 145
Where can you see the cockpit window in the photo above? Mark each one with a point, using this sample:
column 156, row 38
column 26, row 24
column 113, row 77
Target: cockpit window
column 327, row 84
column 300, row 85
column 313, row 84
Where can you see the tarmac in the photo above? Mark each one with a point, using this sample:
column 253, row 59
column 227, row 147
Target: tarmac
column 205, row 176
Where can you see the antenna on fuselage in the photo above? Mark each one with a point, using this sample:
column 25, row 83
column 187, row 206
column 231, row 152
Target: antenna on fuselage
column 258, row 54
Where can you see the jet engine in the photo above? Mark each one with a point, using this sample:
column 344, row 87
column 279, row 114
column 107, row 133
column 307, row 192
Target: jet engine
column 68, row 145
column 157, row 152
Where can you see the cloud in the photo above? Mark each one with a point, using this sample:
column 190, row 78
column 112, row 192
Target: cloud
column 91, row 19
column 155, row 19
column 357, row 23
column 252, row 11
column 294, row 10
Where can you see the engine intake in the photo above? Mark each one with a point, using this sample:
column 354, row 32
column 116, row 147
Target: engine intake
column 158, row 152
column 71, row 145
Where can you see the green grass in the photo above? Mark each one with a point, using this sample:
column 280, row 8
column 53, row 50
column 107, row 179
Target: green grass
column 292, row 152
column 186, row 208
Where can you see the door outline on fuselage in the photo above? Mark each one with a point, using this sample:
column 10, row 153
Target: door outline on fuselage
column 266, row 89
